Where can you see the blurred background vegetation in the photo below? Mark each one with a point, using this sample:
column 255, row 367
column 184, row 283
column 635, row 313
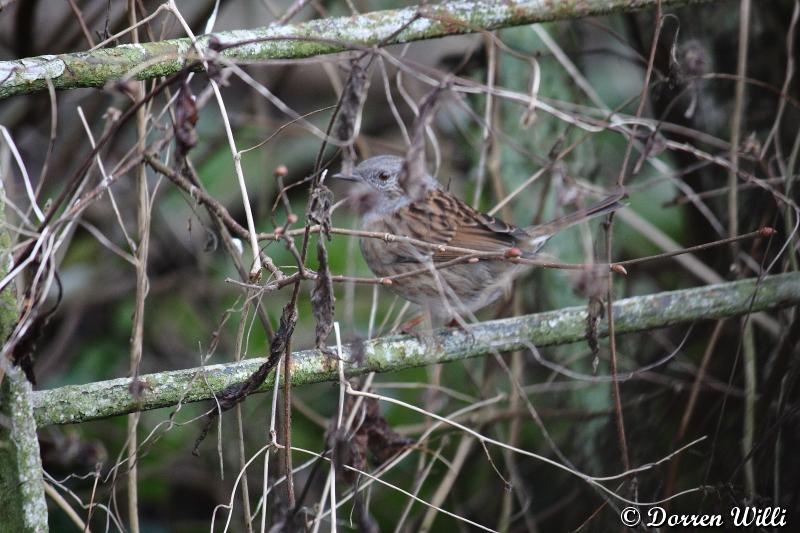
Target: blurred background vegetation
column 189, row 305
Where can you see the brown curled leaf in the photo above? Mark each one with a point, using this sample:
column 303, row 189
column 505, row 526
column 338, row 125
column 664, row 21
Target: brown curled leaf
column 322, row 298
column 373, row 439
column 352, row 101
column 594, row 312
column 185, row 119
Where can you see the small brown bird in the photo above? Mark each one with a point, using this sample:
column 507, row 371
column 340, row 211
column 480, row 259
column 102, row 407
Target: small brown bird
column 440, row 283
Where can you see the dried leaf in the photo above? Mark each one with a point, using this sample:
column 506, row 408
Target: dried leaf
column 594, row 312
column 319, row 209
column 352, row 102
column 383, row 442
column 322, row 298
column 374, row 439
column 185, row 119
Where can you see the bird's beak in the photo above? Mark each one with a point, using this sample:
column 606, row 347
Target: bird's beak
column 346, row 177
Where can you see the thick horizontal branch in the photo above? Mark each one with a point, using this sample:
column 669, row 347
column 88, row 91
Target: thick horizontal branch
column 323, row 36
column 78, row 403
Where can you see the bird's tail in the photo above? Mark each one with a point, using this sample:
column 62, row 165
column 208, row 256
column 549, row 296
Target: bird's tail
column 541, row 234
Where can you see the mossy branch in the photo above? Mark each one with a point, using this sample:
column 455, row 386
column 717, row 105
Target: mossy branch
column 79, row 403
column 324, row 36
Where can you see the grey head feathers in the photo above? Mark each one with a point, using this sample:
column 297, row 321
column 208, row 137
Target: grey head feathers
column 381, row 175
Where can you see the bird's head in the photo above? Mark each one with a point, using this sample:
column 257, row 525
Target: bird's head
column 380, row 176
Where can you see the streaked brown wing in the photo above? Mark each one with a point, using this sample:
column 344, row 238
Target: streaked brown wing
column 440, row 218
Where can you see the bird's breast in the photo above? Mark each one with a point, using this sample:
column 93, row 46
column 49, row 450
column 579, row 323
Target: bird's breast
column 387, row 248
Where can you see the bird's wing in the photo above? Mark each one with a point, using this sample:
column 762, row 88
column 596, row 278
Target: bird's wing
column 440, row 218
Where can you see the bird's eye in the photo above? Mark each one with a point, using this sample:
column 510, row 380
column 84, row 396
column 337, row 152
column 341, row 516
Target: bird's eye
column 383, row 176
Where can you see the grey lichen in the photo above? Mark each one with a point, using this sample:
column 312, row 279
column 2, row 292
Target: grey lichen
column 79, row 403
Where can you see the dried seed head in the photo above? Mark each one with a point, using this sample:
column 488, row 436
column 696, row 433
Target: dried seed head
column 619, row 269
column 766, row 231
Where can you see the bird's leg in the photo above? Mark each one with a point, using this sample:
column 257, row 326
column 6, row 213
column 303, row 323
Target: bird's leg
column 458, row 323
column 425, row 336
column 408, row 326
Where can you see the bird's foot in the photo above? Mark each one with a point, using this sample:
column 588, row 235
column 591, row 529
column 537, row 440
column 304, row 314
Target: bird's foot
column 459, row 324
column 408, row 326
column 424, row 336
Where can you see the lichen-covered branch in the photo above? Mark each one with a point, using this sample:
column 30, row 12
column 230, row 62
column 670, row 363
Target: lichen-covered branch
column 108, row 398
column 323, row 36
column 23, row 507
